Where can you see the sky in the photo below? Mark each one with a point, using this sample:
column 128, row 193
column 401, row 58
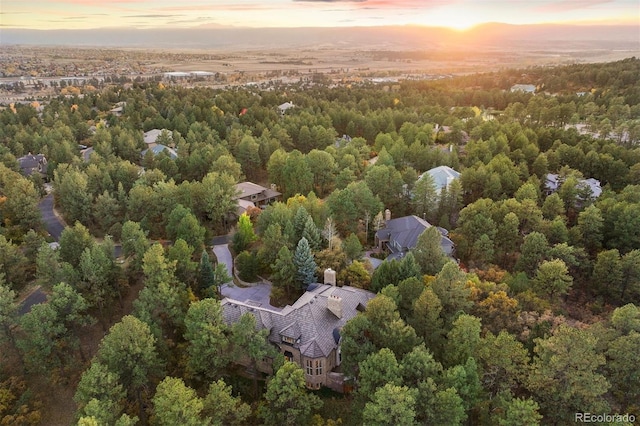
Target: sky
column 455, row 14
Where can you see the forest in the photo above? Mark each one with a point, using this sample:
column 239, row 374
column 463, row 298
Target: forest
column 535, row 319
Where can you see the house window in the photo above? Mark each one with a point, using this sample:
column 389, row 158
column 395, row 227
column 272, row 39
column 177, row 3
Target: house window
column 288, row 356
column 309, row 365
column 318, row 367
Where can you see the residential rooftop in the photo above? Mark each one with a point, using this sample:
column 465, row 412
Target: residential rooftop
column 309, row 322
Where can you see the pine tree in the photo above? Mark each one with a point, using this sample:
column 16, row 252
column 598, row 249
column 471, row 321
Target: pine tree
column 312, row 234
column 284, row 270
column 303, row 259
column 300, row 221
column 206, row 275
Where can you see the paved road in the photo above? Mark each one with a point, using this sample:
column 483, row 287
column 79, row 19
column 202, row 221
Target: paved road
column 35, row 298
column 55, row 226
column 52, row 223
column 220, row 240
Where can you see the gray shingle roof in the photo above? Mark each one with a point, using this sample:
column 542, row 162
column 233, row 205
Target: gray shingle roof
column 308, row 318
column 152, row 136
column 247, row 189
column 292, row 330
column 403, row 232
column 554, row 181
column 30, row 164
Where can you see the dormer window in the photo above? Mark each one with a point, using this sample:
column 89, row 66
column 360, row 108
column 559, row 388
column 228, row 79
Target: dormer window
column 288, row 340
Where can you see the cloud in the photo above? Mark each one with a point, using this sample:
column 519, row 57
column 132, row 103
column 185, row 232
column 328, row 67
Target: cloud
column 215, row 7
column 99, row 2
column 389, row 4
column 567, row 5
column 151, row 16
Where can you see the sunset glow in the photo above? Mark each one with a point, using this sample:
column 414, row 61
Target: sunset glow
column 455, row 14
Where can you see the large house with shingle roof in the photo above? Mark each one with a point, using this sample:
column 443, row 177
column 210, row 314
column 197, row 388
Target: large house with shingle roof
column 151, row 140
column 250, row 194
column 553, row 182
column 401, row 235
column 307, row 332
column 31, row 164
column 442, row 176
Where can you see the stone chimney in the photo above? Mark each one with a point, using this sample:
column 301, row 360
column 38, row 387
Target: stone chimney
column 334, row 304
column 387, row 215
column 330, row 276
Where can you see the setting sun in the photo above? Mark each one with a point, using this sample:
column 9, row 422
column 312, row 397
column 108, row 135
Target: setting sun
column 457, row 17
column 451, row 17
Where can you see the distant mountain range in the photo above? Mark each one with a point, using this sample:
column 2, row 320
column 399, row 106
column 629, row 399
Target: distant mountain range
column 383, row 37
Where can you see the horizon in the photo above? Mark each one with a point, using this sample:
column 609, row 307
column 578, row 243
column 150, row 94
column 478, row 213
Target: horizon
column 457, row 15
column 403, row 37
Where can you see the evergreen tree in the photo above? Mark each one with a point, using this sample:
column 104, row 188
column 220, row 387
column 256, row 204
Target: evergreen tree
column 428, row 251
column 177, row 404
column 287, row 401
column 304, row 262
column 272, row 242
column 284, row 270
column 206, row 274
column 223, row 408
column 207, row 338
column 425, row 197
column 534, row 250
column 300, row 222
column 565, row 377
column 352, row 247
column 134, row 243
column 391, row 405
column 312, row 234
column 552, row 279
column 129, row 351
column 8, row 311
column 100, row 394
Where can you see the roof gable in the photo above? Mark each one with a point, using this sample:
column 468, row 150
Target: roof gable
column 442, row 176
column 308, row 318
column 152, row 135
column 403, row 234
column 249, row 189
column 161, row 148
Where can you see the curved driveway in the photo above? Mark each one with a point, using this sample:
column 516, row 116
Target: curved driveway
column 52, row 223
column 224, row 256
column 257, row 295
